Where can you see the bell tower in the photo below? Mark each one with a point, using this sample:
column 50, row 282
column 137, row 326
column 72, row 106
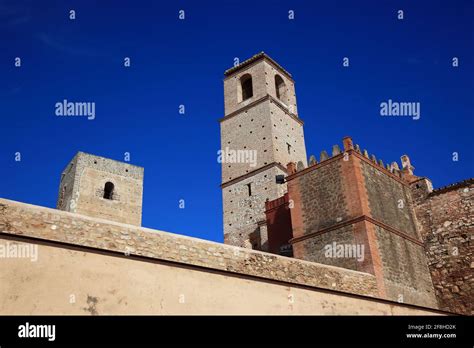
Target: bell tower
column 260, row 133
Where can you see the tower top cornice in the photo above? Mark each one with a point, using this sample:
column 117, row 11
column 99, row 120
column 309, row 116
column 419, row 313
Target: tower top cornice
column 259, row 56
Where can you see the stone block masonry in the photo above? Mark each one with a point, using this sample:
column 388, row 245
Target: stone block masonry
column 86, row 179
column 446, row 218
column 243, row 211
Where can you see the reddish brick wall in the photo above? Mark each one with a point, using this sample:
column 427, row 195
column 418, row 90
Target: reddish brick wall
column 447, row 227
column 413, row 238
column 350, row 200
column 278, row 220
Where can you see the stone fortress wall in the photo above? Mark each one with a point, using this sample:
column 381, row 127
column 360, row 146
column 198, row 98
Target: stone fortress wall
column 87, row 265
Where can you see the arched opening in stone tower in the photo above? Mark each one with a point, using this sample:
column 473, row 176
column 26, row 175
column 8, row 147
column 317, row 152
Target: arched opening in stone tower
column 280, row 89
column 246, row 86
column 108, row 190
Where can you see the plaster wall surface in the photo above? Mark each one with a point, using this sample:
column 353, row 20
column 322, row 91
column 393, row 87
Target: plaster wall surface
column 82, row 282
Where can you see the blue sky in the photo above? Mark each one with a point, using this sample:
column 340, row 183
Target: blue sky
column 177, row 62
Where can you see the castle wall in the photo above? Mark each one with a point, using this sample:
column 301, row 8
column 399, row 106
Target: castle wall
column 446, row 218
column 99, row 284
column 64, row 227
column 348, row 200
column 89, row 266
column 405, row 269
column 404, row 264
column 314, row 248
column 389, row 200
column 320, row 193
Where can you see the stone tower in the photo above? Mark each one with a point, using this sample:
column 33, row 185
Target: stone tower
column 101, row 187
column 260, row 133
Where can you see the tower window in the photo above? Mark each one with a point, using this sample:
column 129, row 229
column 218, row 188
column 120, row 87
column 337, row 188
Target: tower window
column 289, row 148
column 246, row 87
column 249, row 187
column 108, row 190
column 280, row 88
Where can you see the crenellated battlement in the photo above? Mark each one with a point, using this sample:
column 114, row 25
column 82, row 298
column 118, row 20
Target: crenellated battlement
column 392, row 169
